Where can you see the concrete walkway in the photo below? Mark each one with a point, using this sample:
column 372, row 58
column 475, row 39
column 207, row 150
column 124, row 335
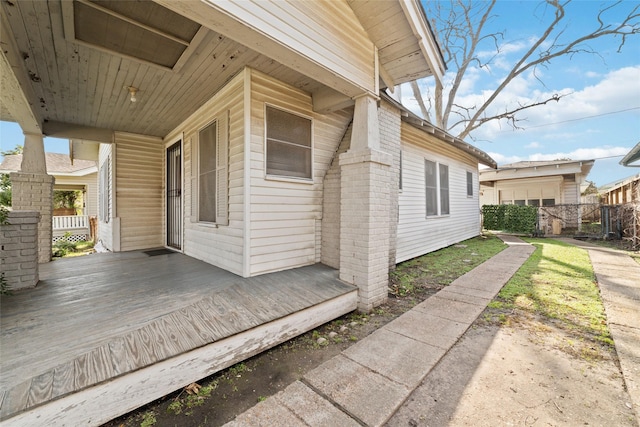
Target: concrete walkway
column 618, row 277
column 369, row 381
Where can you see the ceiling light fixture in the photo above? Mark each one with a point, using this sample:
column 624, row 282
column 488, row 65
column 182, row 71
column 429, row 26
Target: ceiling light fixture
column 132, row 92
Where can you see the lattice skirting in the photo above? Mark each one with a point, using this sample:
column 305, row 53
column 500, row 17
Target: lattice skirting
column 74, row 238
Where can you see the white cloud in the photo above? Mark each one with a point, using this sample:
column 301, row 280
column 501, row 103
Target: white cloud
column 533, row 145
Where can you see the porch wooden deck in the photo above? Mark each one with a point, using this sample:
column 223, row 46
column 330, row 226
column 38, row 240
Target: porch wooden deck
column 103, row 334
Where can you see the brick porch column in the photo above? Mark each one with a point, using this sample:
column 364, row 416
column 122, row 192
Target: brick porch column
column 32, row 190
column 364, row 208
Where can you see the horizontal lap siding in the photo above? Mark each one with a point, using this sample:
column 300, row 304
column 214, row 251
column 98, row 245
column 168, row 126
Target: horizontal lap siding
column 284, row 215
column 417, row 234
column 326, row 31
column 221, row 246
column 139, row 187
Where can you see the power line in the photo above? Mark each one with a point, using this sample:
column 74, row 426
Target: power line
column 586, row 117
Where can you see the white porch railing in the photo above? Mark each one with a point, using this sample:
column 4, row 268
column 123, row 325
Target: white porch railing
column 70, row 222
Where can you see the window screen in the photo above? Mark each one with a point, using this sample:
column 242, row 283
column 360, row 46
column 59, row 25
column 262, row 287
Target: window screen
column 469, row 184
column 288, row 144
column 444, row 189
column 431, row 183
column 207, row 173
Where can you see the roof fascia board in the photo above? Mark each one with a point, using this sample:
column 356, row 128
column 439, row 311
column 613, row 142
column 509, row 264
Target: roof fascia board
column 632, row 156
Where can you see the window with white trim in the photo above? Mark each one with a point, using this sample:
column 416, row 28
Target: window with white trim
column 207, row 143
column 437, row 188
column 288, row 145
column 469, row 184
column 444, row 188
column 209, row 177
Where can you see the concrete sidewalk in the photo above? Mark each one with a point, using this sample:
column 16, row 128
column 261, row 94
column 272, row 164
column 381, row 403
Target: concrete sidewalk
column 367, row 383
column 618, row 277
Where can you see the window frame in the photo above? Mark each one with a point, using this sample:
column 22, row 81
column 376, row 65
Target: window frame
column 221, row 187
column 438, row 189
column 282, row 177
column 199, row 172
column 469, row 184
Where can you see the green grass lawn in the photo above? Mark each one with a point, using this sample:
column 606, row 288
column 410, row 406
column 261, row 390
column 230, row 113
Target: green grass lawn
column 557, row 283
column 440, row 268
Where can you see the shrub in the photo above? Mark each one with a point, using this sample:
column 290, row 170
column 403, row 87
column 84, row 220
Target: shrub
column 512, row 218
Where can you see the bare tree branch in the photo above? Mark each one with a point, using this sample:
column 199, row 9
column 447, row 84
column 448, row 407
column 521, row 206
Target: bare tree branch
column 462, row 30
column 418, row 96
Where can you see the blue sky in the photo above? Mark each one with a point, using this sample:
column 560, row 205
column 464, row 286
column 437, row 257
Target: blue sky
column 600, row 119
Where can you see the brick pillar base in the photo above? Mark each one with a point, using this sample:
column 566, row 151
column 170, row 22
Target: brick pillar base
column 19, row 249
column 34, row 192
column 364, row 224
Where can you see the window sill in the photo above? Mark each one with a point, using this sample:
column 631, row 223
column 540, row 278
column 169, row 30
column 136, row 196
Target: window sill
column 289, row 179
column 438, row 216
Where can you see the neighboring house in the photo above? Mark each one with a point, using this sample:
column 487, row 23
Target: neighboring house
column 77, row 175
column 534, row 183
column 620, row 192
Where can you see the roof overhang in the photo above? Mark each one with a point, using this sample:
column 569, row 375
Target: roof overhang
column 579, row 167
column 632, row 157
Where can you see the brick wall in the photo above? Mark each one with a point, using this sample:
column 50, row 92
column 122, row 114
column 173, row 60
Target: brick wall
column 19, row 249
column 34, row 192
column 330, row 251
column 364, row 224
column 389, row 122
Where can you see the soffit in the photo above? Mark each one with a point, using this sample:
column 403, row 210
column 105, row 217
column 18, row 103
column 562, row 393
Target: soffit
column 78, row 83
column 399, row 48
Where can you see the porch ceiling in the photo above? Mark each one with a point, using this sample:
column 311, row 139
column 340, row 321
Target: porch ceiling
column 75, row 83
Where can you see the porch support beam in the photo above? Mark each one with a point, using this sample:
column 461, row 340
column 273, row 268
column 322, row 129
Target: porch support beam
column 365, row 173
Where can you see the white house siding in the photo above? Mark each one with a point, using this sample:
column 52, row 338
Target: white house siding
column 90, row 183
column 105, row 229
column 220, row 245
column 326, row 31
column 285, row 214
column 418, row 234
column 139, row 190
column 570, row 192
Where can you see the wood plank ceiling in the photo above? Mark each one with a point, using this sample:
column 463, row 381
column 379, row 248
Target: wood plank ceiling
column 85, row 85
column 64, row 50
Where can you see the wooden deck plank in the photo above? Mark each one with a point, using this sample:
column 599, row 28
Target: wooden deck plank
column 92, row 319
column 196, row 319
column 63, row 379
column 41, row 389
column 119, row 360
column 15, row 399
column 110, row 399
column 139, row 349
